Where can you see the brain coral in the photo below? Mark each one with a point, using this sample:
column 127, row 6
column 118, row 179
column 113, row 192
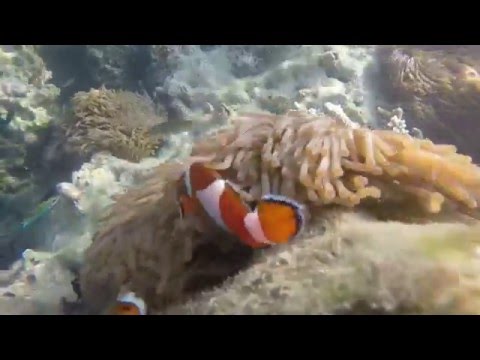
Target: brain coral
column 438, row 88
column 115, row 121
column 144, row 246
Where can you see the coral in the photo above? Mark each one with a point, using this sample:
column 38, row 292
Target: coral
column 56, row 261
column 438, row 89
column 261, row 77
column 97, row 183
column 24, row 89
column 104, row 176
column 358, row 266
column 36, row 286
column 119, row 122
column 192, row 81
column 27, row 102
column 28, row 106
column 12, row 152
column 321, row 160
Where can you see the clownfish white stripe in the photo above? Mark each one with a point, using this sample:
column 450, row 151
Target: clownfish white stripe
column 252, row 223
column 210, row 199
column 188, row 184
column 135, row 300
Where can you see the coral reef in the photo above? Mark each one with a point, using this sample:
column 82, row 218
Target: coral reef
column 97, row 184
column 24, row 89
column 55, row 262
column 27, row 108
column 438, row 88
column 143, row 245
column 270, row 78
column 100, row 179
column 191, row 81
column 119, row 122
column 121, row 229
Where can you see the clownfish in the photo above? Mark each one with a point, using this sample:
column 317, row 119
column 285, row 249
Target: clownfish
column 275, row 220
column 129, row 304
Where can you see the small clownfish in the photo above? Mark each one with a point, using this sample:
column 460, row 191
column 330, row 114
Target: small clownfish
column 129, row 304
column 275, row 220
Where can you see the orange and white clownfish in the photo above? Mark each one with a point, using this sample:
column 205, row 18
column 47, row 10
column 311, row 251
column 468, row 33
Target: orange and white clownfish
column 275, row 220
column 129, row 304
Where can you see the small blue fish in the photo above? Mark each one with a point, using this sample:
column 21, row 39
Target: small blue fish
column 39, row 212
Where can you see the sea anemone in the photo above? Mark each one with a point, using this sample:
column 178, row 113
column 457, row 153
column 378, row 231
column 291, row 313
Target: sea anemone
column 439, row 90
column 143, row 245
column 320, row 160
column 119, row 122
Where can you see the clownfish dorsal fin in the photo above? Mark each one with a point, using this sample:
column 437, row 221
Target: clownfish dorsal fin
column 245, row 196
column 207, row 187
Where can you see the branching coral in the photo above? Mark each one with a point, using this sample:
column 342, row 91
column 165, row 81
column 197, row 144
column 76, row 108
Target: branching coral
column 320, row 160
column 115, row 121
